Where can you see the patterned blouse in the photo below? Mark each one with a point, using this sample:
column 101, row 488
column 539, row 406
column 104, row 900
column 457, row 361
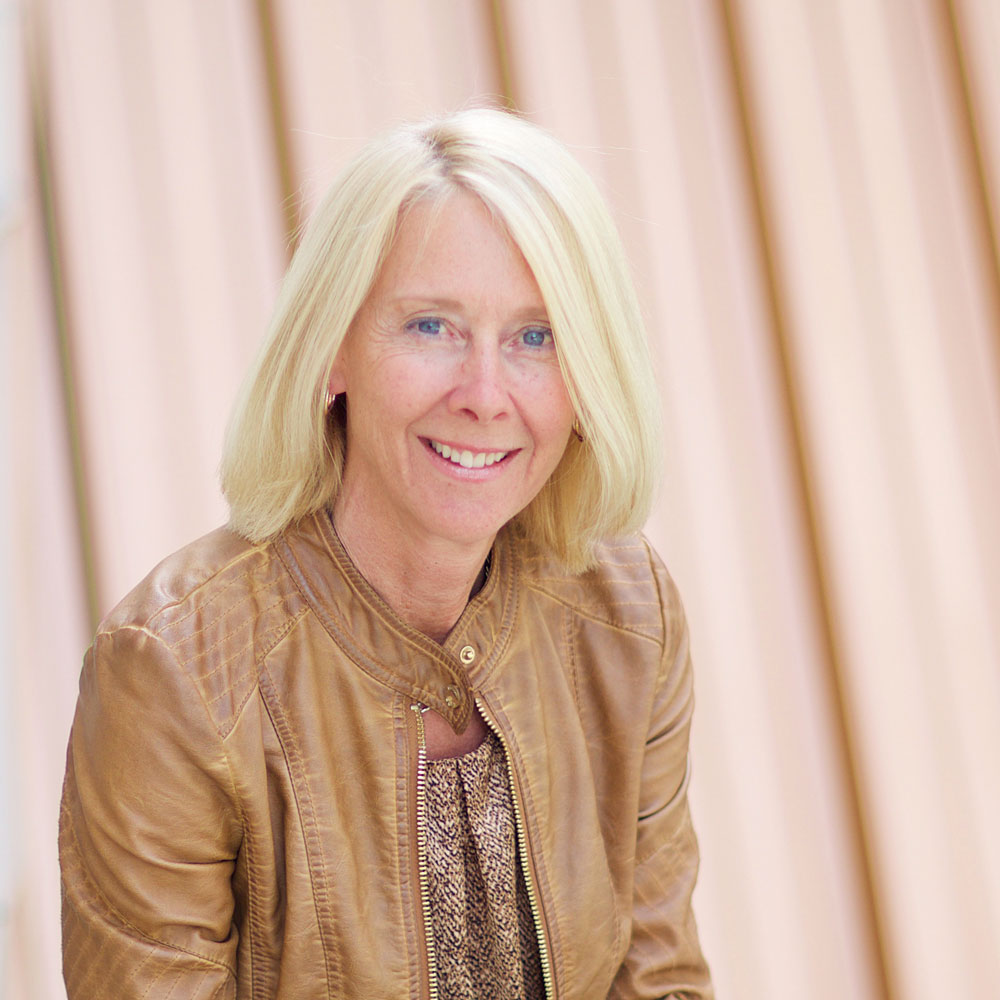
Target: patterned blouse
column 484, row 932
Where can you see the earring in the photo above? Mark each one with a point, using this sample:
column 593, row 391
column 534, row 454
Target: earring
column 328, row 403
column 577, row 430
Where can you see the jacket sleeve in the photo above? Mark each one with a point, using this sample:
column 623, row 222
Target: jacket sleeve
column 664, row 959
column 148, row 832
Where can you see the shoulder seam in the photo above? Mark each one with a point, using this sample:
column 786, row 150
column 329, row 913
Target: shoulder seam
column 659, row 593
column 638, row 631
column 188, row 594
column 221, row 733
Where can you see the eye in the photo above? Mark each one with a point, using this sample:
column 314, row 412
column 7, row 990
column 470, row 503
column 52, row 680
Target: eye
column 427, row 325
column 536, row 336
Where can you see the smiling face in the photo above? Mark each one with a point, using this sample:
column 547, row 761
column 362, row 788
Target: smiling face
column 457, row 412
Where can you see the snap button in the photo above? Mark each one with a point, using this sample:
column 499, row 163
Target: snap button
column 467, row 655
column 452, row 696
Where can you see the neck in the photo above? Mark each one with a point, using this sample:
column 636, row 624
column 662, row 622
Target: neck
column 428, row 583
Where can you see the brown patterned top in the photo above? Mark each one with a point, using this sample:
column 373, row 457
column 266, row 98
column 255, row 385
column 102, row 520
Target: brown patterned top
column 484, row 932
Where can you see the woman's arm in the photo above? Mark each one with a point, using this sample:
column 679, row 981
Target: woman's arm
column 664, row 957
column 149, row 832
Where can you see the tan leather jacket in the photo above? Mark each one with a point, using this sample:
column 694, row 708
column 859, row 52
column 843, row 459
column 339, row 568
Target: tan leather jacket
column 240, row 812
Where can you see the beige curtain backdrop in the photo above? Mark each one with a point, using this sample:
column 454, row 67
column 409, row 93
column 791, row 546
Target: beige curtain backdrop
column 809, row 192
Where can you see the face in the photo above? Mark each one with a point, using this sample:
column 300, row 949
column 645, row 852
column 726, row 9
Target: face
column 457, row 410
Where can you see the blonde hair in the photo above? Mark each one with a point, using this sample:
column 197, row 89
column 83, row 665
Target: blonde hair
column 284, row 454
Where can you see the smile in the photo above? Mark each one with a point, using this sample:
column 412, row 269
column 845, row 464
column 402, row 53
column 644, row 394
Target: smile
column 468, row 459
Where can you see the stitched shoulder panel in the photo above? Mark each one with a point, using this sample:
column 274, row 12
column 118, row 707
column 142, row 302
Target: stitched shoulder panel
column 219, row 604
column 622, row 591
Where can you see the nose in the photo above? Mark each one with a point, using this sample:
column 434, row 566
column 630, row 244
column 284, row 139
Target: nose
column 481, row 389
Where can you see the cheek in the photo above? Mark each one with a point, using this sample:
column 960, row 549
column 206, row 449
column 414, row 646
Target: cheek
column 554, row 403
column 390, row 390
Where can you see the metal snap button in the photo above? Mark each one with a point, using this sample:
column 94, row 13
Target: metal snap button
column 452, row 696
column 467, row 655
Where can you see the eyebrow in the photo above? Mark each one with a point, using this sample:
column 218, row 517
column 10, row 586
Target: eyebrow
column 412, row 301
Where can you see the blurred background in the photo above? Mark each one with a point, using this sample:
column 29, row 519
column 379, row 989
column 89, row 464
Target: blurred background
column 809, row 194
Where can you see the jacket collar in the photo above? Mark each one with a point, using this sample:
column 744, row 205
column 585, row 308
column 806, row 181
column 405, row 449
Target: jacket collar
column 380, row 643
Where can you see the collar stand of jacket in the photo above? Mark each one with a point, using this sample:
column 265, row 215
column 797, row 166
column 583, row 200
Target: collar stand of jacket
column 438, row 675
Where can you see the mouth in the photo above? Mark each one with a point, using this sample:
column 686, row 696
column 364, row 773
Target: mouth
column 465, row 458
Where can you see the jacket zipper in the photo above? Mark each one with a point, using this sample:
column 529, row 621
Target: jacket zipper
column 425, row 898
column 522, row 846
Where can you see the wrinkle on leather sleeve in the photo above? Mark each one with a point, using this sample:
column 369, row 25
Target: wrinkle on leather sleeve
column 149, row 831
column 664, row 959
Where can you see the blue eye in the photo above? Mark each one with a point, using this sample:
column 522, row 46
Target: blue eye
column 536, row 336
column 428, row 325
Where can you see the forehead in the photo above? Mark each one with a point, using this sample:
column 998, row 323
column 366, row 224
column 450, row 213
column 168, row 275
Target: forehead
column 444, row 213
column 451, row 238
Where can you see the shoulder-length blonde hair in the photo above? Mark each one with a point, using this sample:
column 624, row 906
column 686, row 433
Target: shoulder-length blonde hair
column 284, row 454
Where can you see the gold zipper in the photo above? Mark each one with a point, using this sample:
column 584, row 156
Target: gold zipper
column 522, row 845
column 425, row 899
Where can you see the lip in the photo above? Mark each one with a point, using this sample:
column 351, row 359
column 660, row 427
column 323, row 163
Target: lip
column 468, row 459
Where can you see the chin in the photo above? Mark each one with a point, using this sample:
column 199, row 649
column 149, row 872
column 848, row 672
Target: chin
column 471, row 532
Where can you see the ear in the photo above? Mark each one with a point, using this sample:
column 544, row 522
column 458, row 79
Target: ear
column 337, row 381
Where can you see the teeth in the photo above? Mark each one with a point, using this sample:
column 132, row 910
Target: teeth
column 467, row 459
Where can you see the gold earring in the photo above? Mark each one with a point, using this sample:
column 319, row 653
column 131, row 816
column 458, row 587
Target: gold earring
column 330, row 397
column 577, row 430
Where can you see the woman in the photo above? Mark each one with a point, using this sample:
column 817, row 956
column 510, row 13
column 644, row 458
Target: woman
column 410, row 725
